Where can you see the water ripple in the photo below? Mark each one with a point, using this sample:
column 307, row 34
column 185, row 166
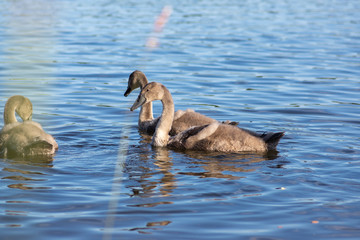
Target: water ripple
column 270, row 65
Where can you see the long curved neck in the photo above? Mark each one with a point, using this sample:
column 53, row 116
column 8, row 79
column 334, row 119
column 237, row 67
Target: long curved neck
column 146, row 112
column 9, row 112
column 161, row 135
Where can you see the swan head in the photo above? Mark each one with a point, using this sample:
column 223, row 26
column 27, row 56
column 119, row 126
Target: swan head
column 137, row 79
column 152, row 91
column 24, row 109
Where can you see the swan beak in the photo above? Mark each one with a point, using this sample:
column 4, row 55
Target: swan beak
column 139, row 101
column 128, row 91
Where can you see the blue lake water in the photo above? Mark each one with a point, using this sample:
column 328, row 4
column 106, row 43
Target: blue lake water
column 272, row 65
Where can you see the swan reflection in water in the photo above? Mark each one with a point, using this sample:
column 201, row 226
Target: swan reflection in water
column 218, row 165
column 153, row 171
column 24, row 173
column 153, row 175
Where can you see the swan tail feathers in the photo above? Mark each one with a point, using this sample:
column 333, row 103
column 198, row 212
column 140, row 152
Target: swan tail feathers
column 273, row 140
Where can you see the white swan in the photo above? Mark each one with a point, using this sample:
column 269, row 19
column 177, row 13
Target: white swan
column 182, row 119
column 25, row 138
column 210, row 137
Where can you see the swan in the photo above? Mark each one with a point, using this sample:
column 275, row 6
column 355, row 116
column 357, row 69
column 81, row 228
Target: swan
column 146, row 122
column 214, row 136
column 25, row 138
column 182, row 119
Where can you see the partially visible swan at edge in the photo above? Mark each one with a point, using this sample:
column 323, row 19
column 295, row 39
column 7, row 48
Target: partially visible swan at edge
column 210, row 137
column 25, row 138
column 182, row 119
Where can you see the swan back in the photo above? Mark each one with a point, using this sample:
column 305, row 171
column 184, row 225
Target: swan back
column 187, row 119
column 26, row 139
column 223, row 138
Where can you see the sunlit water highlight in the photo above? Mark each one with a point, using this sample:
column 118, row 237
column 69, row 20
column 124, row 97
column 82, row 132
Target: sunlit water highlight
column 271, row 65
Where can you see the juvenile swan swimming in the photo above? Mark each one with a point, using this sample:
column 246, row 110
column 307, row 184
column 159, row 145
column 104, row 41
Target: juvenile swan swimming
column 25, row 138
column 209, row 137
column 182, row 119
column 146, row 123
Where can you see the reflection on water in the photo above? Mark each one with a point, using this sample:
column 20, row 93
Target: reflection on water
column 155, row 180
column 294, row 69
column 28, row 47
column 22, row 178
column 154, row 173
column 26, row 62
column 30, row 174
column 157, row 176
column 153, row 226
column 220, row 165
column 164, row 164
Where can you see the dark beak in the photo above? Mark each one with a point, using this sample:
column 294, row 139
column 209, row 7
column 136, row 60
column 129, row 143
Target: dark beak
column 139, row 102
column 128, row 91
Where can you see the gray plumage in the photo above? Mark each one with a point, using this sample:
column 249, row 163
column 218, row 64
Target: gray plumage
column 214, row 136
column 182, row 119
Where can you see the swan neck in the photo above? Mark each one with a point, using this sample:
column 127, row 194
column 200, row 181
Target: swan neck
column 142, row 81
column 146, row 112
column 9, row 112
column 164, row 125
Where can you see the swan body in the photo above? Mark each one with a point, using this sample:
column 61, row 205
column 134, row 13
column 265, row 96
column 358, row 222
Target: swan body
column 214, row 136
column 186, row 119
column 25, row 138
column 182, row 119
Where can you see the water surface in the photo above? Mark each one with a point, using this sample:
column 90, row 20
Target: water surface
column 271, row 65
